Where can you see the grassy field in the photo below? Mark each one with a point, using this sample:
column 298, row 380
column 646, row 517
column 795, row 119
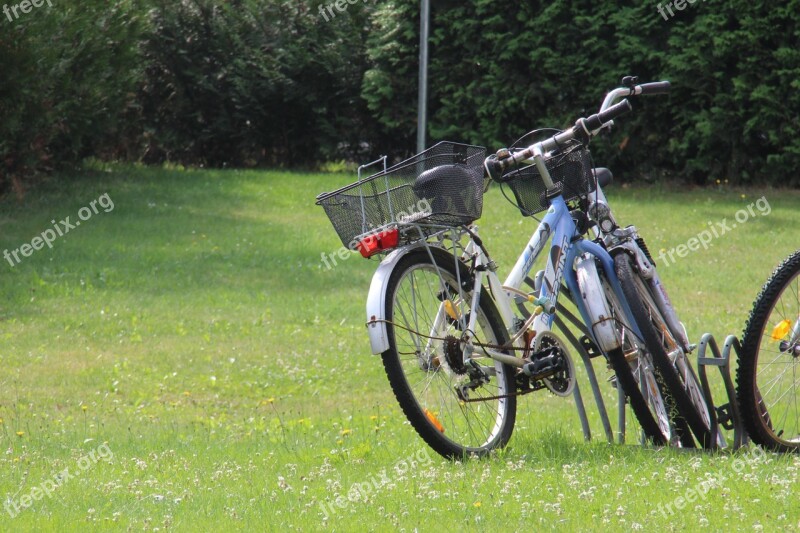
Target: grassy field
column 185, row 361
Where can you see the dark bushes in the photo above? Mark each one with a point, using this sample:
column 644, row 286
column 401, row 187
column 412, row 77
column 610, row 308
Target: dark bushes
column 271, row 82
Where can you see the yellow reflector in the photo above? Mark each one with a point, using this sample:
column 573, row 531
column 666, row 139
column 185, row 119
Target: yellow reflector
column 450, row 310
column 435, row 421
column 781, row 330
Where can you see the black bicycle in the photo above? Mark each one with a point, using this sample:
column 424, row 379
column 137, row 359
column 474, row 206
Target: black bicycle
column 769, row 362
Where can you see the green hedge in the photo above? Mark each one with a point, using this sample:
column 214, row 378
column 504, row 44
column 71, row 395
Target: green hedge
column 500, row 68
column 70, row 75
column 272, row 82
column 254, row 82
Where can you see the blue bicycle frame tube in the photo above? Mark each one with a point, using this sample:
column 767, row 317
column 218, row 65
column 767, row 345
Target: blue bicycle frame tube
column 559, row 252
column 607, row 263
column 557, row 215
column 563, row 252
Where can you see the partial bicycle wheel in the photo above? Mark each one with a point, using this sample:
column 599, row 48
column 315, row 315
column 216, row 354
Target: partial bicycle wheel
column 458, row 410
column 769, row 362
column 637, row 376
column 669, row 359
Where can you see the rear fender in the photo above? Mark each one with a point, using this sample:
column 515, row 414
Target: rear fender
column 376, row 299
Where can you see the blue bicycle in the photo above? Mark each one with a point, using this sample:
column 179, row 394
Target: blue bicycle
column 458, row 345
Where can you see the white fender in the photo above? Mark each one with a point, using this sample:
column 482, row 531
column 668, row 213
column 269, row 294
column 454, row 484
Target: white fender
column 376, row 300
column 594, row 300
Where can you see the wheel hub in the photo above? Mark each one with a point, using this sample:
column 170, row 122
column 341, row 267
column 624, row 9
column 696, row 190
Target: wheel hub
column 794, row 350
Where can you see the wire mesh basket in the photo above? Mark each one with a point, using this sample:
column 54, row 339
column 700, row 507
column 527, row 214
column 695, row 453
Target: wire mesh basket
column 442, row 186
column 570, row 166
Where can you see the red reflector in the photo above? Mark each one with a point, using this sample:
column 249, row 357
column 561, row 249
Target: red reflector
column 379, row 242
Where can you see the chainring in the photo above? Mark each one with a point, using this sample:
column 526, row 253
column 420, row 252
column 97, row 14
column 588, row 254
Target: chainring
column 563, row 383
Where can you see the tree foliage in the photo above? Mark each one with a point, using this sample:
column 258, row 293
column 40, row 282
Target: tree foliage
column 273, row 82
column 69, row 79
column 253, row 82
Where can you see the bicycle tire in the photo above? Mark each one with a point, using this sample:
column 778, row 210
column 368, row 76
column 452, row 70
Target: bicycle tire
column 647, row 317
column 643, row 409
column 770, row 305
column 447, row 424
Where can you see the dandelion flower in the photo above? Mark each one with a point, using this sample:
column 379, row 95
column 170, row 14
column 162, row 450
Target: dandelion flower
column 20, row 433
column 345, row 432
column 476, row 504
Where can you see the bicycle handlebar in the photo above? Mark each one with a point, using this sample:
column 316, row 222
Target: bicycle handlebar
column 596, row 121
column 583, row 130
column 656, row 87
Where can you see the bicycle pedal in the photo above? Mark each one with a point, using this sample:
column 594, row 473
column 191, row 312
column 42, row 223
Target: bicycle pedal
column 725, row 416
column 551, row 363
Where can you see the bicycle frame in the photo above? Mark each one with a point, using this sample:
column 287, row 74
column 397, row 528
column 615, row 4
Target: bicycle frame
column 564, row 250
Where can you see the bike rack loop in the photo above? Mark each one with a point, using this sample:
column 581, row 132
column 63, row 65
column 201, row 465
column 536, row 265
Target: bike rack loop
column 561, row 311
column 728, row 415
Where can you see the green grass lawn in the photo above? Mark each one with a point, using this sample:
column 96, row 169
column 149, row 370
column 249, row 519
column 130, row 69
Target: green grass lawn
column 190, row 362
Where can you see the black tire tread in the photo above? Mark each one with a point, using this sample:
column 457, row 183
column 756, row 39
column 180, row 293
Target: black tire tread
column 675, row 388
column 748, row 358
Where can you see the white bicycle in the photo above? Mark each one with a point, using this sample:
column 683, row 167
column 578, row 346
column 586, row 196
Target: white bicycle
column 458, row 346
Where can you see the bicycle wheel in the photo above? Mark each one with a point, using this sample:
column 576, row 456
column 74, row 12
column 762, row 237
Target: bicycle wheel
column 457, row 410
column 636, row 375
column 769, row 364
column 669, row 359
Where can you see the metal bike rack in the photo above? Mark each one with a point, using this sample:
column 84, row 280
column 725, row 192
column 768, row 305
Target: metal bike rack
column 728, row 415
column 561, row 311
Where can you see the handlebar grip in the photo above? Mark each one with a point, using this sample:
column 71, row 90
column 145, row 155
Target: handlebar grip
column 656, row 87
column 496, row 167
column 597, row 120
